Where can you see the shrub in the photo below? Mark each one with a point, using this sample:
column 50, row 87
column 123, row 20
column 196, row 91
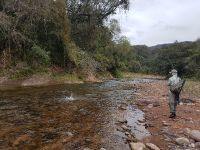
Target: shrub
column 38, row 57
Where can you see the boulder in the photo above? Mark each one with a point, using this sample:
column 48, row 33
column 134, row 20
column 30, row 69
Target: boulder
column 152, row 146
column 137, row 146
column 195, row 135
column 182, row 141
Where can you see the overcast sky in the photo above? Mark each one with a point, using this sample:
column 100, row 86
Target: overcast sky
column 154, row 22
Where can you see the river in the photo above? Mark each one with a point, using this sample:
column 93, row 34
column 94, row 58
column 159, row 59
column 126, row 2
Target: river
column 71, row 116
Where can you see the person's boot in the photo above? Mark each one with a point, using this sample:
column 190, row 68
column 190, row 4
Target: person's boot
column 172, row 115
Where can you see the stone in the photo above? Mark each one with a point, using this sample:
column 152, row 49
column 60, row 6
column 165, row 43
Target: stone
column 197, row 144
column 123, row 107
column 152, row 146
column 182, row 141
column 87, row 148
column 68, row 134
column 124, row 127
column 127, row 133
column 102, row 149
column 156, row 104
column 137, row 146
column 192, row 145
column 122, row 120
column 88, row 140
column 195, row 135
column 150, row 106
column 186, row 131
column 165, row 123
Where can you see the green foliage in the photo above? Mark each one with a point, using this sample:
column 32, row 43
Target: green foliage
column 117, row 74
column 184, row 56
column 38, row 57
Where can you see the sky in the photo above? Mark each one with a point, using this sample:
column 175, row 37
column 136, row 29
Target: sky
column 153, row 22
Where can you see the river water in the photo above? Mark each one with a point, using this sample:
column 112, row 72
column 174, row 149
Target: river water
column 71, row 117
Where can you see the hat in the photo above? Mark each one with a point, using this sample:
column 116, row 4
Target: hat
column 173, row 71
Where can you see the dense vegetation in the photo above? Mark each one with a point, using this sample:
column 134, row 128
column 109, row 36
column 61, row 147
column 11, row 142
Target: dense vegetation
column 78, row 36
column 160, row 59
column 73, row 35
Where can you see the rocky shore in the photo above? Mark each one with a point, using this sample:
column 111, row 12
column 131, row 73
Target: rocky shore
column 181, row 133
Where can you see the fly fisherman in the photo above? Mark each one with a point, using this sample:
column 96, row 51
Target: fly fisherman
column 173, row 94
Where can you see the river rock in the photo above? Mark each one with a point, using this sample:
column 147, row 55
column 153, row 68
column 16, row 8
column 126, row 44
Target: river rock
column 137, row 146
column 195, row 134
column 187, row 131
column 124, row 127
column 127, row 133
column 182, row 141
column 152, row 146
column 122, row 120
column 150, row 106
column 87, row 148
column 165, row 123
column 192, row 145
column 197, row 144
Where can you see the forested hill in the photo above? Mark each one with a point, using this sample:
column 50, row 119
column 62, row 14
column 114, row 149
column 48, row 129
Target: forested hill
column 72, row 35
column 160, row 59
column 76, row 36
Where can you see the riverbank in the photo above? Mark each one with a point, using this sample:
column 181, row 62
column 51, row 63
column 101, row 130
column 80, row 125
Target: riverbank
column 169, row 133
column 7, row 81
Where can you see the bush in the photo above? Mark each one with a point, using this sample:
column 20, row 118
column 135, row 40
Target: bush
column 38, row 57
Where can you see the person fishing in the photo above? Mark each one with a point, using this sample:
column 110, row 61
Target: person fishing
column 175, row 85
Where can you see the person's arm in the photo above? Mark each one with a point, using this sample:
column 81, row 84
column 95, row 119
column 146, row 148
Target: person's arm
column 169, row 82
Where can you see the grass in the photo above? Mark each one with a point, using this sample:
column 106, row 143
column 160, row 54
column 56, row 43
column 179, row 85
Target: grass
column 66, row 77
column 192, row 89
column 131, row 75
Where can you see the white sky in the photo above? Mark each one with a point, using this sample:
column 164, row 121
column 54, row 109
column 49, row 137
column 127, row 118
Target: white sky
column 154, row 22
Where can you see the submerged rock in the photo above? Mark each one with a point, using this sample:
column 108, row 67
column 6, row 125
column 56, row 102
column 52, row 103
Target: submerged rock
column 137, row 146
column 152, row 146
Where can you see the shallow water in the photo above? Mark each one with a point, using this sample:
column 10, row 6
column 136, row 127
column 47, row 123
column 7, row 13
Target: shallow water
column 43, row 117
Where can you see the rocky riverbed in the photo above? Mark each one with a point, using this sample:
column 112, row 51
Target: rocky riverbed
column 112, row 115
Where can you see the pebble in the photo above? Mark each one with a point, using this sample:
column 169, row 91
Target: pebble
column 122, row 120
column 87, row 148
column 124, row 127
column 150, row 106
column 192, row 145
column 195, row 134
column 137, row 146
column 152, row 146
column 127, row 133
column 182, row 141
column 186, row 131
column 102, row 149
column 165, row 123
column 68, row 134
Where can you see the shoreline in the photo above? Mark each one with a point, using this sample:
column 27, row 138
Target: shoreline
column 152, row 99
